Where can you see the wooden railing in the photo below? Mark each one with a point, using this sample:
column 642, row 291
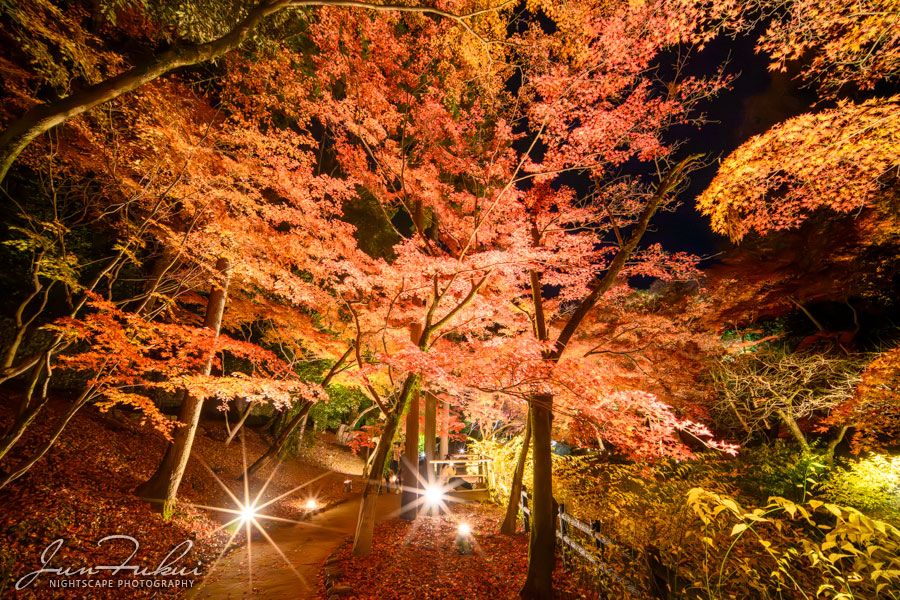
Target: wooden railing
column 482, row 477
column 584, row 540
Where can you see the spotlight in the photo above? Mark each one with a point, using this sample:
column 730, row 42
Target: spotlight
column 464, row 529
column 311, row 504
column 433, row 495
column 247, row 513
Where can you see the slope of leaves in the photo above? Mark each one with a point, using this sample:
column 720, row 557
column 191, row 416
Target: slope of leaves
column 83, row 490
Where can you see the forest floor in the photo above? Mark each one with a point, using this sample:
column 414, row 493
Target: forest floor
column 82, row 491
column 413, row 560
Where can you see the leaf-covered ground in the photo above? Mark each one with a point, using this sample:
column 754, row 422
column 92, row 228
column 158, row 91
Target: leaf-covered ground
column 81, row 491
column 418, row 560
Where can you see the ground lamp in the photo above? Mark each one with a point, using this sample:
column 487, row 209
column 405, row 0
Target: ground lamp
column 464, row 539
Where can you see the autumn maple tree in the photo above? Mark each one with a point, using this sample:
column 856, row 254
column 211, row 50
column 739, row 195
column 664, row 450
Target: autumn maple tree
column 447, row 201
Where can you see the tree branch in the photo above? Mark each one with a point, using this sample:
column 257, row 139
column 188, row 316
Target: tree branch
column 44, row 117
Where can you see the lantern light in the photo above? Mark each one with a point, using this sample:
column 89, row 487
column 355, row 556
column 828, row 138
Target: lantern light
column 248, row 513
column 433, row 495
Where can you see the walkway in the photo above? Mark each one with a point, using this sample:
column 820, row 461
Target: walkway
column 306, row 547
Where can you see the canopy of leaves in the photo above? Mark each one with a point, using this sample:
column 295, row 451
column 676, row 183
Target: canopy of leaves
column 837, row 159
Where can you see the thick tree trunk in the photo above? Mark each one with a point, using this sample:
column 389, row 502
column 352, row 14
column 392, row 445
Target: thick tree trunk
column 515, row 489
column 410, row 461
column 164, row 483
column 445, row 430
column 541, row 547
column 542, row 544
column 365, row 525
column 430, row 433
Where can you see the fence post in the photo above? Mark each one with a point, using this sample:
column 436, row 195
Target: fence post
column 564, row 529
column 524, row 504
column 595, row 527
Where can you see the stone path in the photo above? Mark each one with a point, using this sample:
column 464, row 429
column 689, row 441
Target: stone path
column 305, row 546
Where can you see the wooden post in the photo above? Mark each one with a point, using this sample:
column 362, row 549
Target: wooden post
column 445, row 430
column 430, row 434
column 526, row 521
column 595, row 528
column 564, row 529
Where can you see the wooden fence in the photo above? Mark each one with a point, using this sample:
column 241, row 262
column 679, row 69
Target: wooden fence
column 587, row 543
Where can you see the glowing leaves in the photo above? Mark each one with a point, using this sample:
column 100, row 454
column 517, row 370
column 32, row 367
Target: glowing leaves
column 130, row 360
column 874, row 410
column 833, row 159
column 849, row 41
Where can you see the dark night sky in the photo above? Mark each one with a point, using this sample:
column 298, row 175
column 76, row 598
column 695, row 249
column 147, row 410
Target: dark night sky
column 756, row 101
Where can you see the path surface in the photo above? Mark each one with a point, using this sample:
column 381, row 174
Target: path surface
column 305, row 546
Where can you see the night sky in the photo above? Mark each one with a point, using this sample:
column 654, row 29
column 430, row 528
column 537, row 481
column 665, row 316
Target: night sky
column 756, row 101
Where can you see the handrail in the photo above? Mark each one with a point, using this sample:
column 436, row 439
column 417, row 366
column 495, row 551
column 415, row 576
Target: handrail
column 588, row 529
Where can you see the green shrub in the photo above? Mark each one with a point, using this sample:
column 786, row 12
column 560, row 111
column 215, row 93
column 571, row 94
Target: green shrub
column 871, row 485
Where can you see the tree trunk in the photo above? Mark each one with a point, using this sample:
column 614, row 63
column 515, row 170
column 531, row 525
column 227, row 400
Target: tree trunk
column 410, row 470
column 303, row 424
column 410, row 461
column 542, row 544
column 27, row 411
column 791, row 423
column 164, row 483
column 282, row 438
column 240, row 423
column 834, row 443
column 430, row 433
column 18, row 428
column 515, row 489
column 23, row 365
column 365, row 525
column 445, row 430
column 275, row 449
